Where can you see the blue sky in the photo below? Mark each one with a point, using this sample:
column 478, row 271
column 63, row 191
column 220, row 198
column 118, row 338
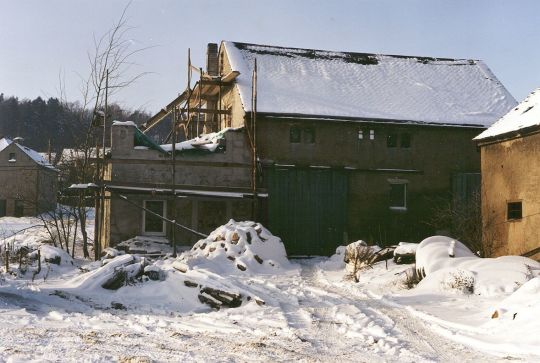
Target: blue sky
column 39, row 39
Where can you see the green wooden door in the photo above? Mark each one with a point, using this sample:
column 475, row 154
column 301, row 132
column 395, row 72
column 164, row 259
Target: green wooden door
column 307, row 208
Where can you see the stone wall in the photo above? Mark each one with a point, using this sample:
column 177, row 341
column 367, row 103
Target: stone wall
column 511, row 172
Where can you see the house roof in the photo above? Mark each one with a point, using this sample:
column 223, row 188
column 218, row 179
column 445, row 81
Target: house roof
column 32, row 154
column 525, row 115
column 297, row 81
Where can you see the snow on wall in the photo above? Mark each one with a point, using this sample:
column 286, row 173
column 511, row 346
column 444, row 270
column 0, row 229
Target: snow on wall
column 526, row 114
column 324, row 83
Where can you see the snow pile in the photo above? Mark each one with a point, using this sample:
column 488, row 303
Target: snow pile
column 55, row 255
column 526, row 114
column 115, row 273
column 516, row 321
column 145, row 245
column 215, row 273
column 406, row 248
column 237, row 247
column 468, row 273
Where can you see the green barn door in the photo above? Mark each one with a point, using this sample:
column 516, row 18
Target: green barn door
column 308, row 209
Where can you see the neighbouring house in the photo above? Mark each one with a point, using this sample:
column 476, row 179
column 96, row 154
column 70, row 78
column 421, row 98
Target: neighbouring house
column 510, row 158
column 348, row 145
column 29, row 182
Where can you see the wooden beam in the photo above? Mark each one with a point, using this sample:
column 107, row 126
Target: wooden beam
column 211, row 110
column 158, row 117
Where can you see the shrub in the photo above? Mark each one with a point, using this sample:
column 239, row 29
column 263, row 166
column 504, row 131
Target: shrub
column 459, row 280
column 412, row 278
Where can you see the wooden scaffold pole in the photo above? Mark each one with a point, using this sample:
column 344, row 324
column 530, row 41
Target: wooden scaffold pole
column 254, row 141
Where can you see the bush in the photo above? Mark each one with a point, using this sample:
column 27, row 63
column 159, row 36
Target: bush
column 412, row 278
column 459, row 280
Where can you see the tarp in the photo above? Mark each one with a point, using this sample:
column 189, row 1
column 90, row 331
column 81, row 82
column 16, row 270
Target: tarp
column 143, row 140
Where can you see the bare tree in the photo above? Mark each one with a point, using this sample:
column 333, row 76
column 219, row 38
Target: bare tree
column 110, row 61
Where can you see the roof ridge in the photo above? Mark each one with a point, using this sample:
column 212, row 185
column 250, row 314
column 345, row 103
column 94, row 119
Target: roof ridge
column 243, row 44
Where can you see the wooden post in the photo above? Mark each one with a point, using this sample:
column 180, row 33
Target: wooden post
column 173, row 207
column 189, row 136
column 200, row 104
column 254, row 141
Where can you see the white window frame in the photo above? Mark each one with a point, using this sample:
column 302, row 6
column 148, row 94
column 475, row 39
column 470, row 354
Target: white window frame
column 164, row 229
column 405, row 183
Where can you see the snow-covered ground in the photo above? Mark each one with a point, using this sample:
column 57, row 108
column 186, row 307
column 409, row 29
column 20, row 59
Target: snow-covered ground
column 304, row 310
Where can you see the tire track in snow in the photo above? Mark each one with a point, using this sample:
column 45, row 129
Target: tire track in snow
column 414, row 333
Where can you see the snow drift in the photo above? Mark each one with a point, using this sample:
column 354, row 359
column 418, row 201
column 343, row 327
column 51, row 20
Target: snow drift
column 468, row 273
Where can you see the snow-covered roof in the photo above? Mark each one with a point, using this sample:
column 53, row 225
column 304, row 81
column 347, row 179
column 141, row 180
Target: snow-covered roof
column 526, row 114
column 369, row 86
column 32, row 154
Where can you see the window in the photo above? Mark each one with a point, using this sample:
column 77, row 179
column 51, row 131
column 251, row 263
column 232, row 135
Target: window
column 295, row 135
column 360, row 135
column 405, row 141
column 514, row 210
column 391, row 140
column 153, row 225
column 398, row 195
column 12, row 158
column 372, row 134
column 19, row 208
column 309, row 135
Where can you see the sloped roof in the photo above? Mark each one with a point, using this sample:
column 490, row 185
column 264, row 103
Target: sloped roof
column 371, row 86
column 525, row 115
column 32, row 154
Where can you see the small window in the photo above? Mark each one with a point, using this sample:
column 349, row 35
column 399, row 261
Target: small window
column 309, row 135
column 405, row 141
column 12, row 158
column 391, row 140
column 372, row 134
column 360, row 135
column 154, row 225
column 398, row 196
column 514, row 210
column 295, row 135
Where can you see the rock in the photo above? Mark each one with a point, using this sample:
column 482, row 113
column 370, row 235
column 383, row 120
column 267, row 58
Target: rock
column 235, row 237
column 248, row 235
column 228, row 299
column 406, row 258
column 232, row 258
column 208, row 300
column 180, row 266
column 211, row 249
column 117, row 280
column 190, row 283
column 117, row 306
column 203, row 246
column 154, row 273
column 241, row 267
column 495, row 315
column 54, row 260
column 258, row 259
